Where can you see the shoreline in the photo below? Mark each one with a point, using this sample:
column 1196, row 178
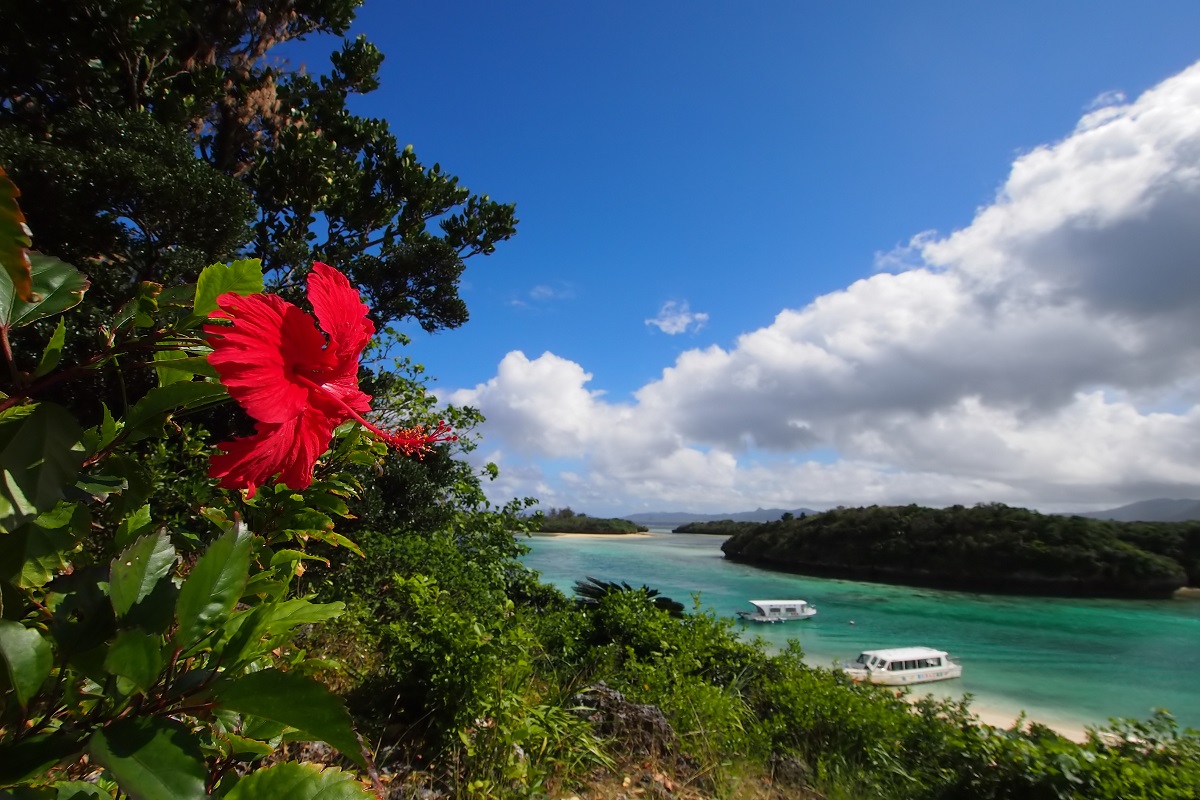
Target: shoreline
column 998, row 716
column 996, row 713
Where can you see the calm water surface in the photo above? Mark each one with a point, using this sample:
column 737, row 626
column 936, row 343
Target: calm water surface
column 1076, row 662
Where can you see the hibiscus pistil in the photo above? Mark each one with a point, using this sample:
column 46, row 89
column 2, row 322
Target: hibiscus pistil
column 410, row 441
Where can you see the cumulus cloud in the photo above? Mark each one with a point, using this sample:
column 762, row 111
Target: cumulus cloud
column 675, row 318
column 1043, row 355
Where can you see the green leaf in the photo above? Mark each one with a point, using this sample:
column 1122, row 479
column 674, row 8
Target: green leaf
column 40, row 454
column 80, row 790
column 28, row 658
column 151, row 758
column 293, row 700
column 157, row 612
column 36, row 552
column 148, row 414
column 100, row 486
column 138, row 486
column 53, row 352
column 309, row 519
column 137, row 656
column 14, row 239
column 140, row 308
column 83, row 616
column 180, row 295
column 214, row 586
column 101, row 436
column 138, row 570
column 35, row 754
column 136, row 524
column 240, row 277
column 168, row 376
column 173, row 366
column 292, row 781
column 236, row 745
column 32, row 557
column 266, row 730
column 292, row 556
column 293, row 613
column 56, row 285
column 247, row 628
column 332, row 538
column 243, row 629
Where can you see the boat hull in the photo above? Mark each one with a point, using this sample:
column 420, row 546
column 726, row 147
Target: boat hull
column 904, row 677
column 749, row 616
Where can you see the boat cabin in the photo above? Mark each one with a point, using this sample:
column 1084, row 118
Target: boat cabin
column 903, row 665
column 778, row 611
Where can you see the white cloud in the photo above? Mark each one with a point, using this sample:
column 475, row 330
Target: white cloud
column 543, row 293
column 675, row 318
column 1043, row 355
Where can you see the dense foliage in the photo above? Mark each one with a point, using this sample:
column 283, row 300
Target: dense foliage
column 144, row 653
column 989, row 547
column 717, row 527
column 154, row 137
column 565, row 520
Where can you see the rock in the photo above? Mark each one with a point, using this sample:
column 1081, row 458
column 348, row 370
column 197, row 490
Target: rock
column 640, row 728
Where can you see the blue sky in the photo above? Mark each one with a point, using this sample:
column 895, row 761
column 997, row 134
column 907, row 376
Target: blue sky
column 765, row 167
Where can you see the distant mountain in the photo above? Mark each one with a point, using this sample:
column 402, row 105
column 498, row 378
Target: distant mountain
column 664, row 519
column 1151, row 511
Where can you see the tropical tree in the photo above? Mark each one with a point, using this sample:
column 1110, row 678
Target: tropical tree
column 154, row 137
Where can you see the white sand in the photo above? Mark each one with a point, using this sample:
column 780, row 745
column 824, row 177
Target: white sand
column 999, row 716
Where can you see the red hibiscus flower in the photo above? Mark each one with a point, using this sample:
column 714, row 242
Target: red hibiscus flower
column 295, row 381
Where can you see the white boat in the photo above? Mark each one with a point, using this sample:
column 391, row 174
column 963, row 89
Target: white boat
column 777, row 611
column 901, row 666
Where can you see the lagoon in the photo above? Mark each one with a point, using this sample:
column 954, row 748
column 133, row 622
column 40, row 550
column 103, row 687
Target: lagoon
column 1068, row 663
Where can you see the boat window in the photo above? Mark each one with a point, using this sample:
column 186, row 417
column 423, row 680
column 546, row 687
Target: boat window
column 935, row 662
column 910, row 665
column 862, row 659
column 893, row 665
column 922, row 663
column 773, row 610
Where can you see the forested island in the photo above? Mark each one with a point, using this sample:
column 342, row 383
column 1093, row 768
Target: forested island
column 564, row 520
column 717, row 527
column 990, row 547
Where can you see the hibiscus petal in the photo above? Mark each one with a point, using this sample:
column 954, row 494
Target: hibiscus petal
column 257, row 356
column 342, row 314
column 289, row 449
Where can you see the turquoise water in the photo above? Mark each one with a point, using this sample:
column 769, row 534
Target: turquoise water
column 1069, row 662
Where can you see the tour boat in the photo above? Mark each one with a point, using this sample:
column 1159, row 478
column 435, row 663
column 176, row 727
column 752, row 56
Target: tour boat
column 903, row 665
column 777, row 611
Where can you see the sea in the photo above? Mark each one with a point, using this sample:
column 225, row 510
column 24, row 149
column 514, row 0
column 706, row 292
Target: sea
column 1065, row 662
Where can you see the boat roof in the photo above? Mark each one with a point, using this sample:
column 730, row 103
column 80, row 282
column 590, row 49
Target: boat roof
column 904, row 653
column 778, row 602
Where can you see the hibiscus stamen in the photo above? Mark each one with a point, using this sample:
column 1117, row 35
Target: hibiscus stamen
column 410, row 441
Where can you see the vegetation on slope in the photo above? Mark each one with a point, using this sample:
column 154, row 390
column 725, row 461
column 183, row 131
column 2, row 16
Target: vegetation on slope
column 717, row 527
column 989, row 547
column 564, row 520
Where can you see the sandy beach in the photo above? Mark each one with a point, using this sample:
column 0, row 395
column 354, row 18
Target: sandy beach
column 999, row 717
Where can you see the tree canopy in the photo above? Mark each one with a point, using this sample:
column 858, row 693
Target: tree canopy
column 153, row 137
